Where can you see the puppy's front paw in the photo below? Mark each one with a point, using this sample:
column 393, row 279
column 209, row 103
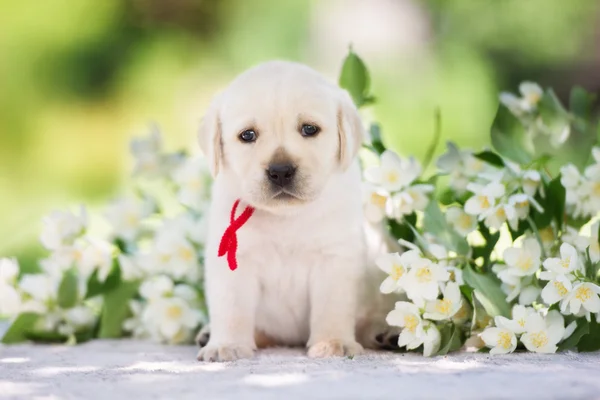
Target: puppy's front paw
column 334, row 348
column 224, row 352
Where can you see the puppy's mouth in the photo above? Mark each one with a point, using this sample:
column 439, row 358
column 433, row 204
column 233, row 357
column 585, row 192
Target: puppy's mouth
column 285, row 195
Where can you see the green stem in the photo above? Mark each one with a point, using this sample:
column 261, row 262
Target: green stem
column 437, row 131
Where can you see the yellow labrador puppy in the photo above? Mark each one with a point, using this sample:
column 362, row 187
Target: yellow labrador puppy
column 283, row 141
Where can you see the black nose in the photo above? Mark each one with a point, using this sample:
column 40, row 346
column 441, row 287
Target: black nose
column 281, row 174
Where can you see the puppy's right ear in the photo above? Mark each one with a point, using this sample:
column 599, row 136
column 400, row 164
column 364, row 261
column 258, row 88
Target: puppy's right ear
column 210, row 137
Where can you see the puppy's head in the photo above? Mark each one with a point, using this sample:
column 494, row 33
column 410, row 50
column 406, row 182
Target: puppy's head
column 279, row 133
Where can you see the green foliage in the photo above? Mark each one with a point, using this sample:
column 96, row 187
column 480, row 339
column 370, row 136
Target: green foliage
column 435, row 223
column 116, row 309
column 17, row 332
column 68, row 292
column 95, row 287
column 487, row 290
column 452, row 339
column 354, row 77
column 509, row 137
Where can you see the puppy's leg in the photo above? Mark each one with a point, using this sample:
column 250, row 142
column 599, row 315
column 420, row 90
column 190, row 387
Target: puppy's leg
column 333, row 296
column 232, row 298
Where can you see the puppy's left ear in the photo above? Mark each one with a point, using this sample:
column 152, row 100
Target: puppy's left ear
column 210, row 137
column 350, row 130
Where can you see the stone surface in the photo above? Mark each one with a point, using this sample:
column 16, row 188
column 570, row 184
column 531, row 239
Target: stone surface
column 126, row 369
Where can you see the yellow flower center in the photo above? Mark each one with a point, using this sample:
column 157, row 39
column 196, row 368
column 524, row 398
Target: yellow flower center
column 484, row 202
column 560, row 288
column 186, row 254
column 465, row 221
column 525, row 263
column 424, row 274
column 500, row 213
column 443, row 306
column 411, row 322
column 566, row 262
column 521, row 322
column 397, row 272
column 533, row 98
column 504, row 340
column 583, row 294
column 596, row 189
column 378, row 200
column 131, row 219
column 392, row 177
column 174, row 312
column 539, row 339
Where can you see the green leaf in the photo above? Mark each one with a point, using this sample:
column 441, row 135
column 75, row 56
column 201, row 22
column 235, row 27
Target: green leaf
column 509, row 137
column 452, row 339
column 355, row 79
column 435, row 223
column 402, row 230
column 556, row 196
column 45, row 337
column 591, row 340
column 581, row 102
column 491, row 158
column 486, row 250
column 17, row 332
column 376, row 141
column 95, row 287
column 487, row 290
column 68, row 292
column 583, row 328
column 116, row 309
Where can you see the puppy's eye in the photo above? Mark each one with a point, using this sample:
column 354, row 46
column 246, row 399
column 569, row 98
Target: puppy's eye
column 248, row 136
column 309, row 130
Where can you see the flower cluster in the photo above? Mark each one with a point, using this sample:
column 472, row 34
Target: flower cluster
column 392, row 189
column 147, row 269
column 583, row 190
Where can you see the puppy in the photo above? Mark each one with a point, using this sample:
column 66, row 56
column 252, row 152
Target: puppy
column 283, row 140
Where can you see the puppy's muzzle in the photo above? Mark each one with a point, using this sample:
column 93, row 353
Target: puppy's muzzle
column 281, row 174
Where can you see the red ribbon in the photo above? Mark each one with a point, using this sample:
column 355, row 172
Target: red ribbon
column 229, row 239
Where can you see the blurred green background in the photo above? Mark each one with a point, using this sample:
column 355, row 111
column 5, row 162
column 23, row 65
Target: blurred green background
column 79, row 78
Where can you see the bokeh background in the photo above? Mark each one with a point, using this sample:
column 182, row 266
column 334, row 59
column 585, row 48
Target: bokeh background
column 79, row 78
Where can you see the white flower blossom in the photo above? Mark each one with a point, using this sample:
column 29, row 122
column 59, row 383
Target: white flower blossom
column 407, row 316
column 531, row 94
column 446, row 307
column 156, row 287
column 520, row 316
column 484, row 198
column 542, row 335
column 462, row 165
column 423, row 280
column 523, row 261
column 126, row 216
column 584, row 296
column 60, row 228
column 413, row 198
column 499, row 340
column 567, row 263
column 396, row 266
column 375, row 201
column 462, row 222
column 394, row 173
column 192, row 178
column 171, row 319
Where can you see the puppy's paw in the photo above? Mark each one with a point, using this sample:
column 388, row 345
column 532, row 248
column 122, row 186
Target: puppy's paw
column 224, row 352
column 203, row 336
column 334, row 348
column 387, row 340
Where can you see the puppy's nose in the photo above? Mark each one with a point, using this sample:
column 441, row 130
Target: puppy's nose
column 281, row 174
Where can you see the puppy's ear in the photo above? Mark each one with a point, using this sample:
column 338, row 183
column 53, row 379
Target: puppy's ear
column 210, row 137
column 350, row 130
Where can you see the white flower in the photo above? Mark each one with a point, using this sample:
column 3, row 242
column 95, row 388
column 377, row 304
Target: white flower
column 411, row 199
column 423, row 280
column 461, row 165
column 567, row 263
column 499, row 340
column 521, row 203
column 126, row 216
column 174, row 254
column 42, row 288
column 462, row 222
column 557, row 289
column 542, row 336
column 431, row 337
column 9, row 270
column 147, row 153
column 96, row 255
column 406, row 315
column 584, row 295
column 171, row 319
column 484, row 198
column 10, row 300
column 62, row 227
column 595, row 243
column 375, row 201
column 156, row 287
column 76, row 319
column 448, row 306
column 193, row 180
column 520, row 316
column 531, row 94
column 525, row 260
column 396, row 266
column 130, row 267
column 531, row 181
column 515, row 286
column 135, row 325
column 498, row 215
column 394, row 173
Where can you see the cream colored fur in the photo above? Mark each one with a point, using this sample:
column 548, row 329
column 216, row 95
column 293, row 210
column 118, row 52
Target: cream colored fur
column 303, row 275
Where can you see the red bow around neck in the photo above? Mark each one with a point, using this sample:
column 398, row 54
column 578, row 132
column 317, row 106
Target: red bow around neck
column 229, row 239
